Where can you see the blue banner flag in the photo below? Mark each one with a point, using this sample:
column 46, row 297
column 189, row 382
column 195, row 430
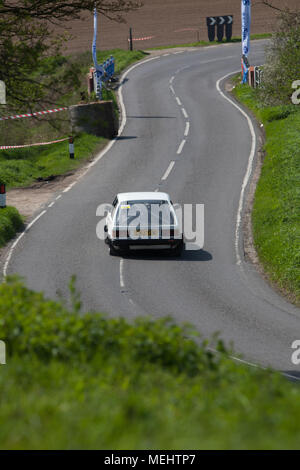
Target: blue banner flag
column 99, row 69
column 246, row 24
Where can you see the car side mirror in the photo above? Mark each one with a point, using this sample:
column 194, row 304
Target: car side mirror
column 105, row 229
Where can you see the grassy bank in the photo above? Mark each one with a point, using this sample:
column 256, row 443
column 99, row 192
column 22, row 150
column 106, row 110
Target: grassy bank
column 275, row 218
column 83, row 381
column 21, row 167
column 10, row 223
column 213, row 43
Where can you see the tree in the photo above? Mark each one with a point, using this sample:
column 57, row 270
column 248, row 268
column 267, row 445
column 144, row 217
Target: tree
column 269, row 3
column 282, row 60
column 29, row 52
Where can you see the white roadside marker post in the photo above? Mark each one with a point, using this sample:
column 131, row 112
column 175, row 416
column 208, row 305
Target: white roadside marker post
column 2, row 196
column 71, row 147
column 2, row 185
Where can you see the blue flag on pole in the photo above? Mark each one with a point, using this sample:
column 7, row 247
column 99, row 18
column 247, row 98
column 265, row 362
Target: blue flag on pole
column 99, row 69
column 246, row 24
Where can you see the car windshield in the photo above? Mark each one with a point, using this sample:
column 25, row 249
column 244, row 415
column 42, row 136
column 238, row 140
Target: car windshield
column 145, row 213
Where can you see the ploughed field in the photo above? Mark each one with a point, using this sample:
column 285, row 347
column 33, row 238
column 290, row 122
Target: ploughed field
column 170, row 22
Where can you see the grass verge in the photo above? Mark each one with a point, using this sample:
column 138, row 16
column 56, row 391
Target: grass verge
column 22, row 167
column 75, row 381
column 275, row 217
column 212, row 43
column 10, row 223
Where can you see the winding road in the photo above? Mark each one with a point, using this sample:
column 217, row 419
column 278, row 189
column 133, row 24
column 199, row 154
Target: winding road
column 179, row 135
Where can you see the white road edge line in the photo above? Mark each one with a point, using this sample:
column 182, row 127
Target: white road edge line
column 249, row 167
column 252, row 364
column 170, row 168
column 18, row 239
column 184, row 113
column 90, row 165
column 187, row 129
column 180, row 148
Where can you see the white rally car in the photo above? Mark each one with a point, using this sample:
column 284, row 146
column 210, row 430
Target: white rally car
column 143, row 220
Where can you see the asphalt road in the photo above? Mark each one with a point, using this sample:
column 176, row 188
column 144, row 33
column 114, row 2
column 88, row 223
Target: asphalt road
column 206, row 288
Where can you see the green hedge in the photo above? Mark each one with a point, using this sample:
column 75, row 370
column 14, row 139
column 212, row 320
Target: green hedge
column 10, row 223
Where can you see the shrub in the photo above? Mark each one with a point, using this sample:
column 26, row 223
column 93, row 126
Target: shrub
column 10, row 223
column 282, row 63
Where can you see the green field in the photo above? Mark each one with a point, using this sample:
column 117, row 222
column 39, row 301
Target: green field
column 74, row 381
column 275, row 218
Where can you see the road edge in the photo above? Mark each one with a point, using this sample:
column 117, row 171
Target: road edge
column 248, row 246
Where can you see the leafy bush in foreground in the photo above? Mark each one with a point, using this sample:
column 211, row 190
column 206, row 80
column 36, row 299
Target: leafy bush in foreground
column 31, row 325
column 76, row 381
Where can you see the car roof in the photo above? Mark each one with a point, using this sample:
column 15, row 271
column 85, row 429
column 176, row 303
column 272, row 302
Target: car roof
column 143, row 196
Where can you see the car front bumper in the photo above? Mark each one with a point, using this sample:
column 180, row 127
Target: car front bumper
column 146, row 244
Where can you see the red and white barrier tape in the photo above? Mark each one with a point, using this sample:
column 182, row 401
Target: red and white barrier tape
column 142, row 39
column 8, row 147
column 38, row 113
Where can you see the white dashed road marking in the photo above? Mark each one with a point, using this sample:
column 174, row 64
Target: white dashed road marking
column 184, row 113
column 187, row 129
column 181, row 147
column 122, row 283
column 170, row 168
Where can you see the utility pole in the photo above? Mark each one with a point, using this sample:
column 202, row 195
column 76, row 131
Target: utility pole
column 130, row 40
